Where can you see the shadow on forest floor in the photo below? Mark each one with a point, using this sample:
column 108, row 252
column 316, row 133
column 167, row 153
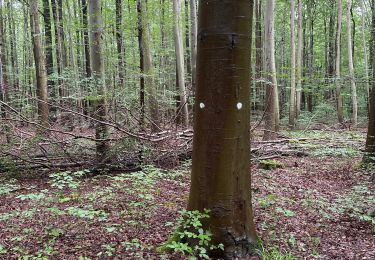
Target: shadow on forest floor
column 319, row 206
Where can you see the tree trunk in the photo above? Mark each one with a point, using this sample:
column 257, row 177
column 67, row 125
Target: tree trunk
column 187, row 36
column 309, row 90
column 147, row 78
column 40, row 64
column 299, row 59
column 49, row 54
column 180, row 63
column 369, row 156
column 340, row 109
column 354, row 116
column 193, row 44
column 221, row 153
column 259, row 100
column 120, row 44
column 13, row 47
column 292, row 103
column 272, row 94
column 86, row 39
column 99, row 102
column 3, row 81
column 365, row 55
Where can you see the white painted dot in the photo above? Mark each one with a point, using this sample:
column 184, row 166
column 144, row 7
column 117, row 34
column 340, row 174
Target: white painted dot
column 202, row 105
column 239, row 106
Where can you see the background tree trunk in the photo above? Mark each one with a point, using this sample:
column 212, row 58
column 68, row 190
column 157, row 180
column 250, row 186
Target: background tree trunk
column 98, row 102
column 183, row 108
column 193, row 39
column 147, row 70
column 272, row 116
column 365, row 55
column 354, row 117
column 292, row 100
column 120, row 44
column 340, row 108
column 220, row 174
column 40, row 65
column 299, row 59
column 49, row 55
column 86, row 38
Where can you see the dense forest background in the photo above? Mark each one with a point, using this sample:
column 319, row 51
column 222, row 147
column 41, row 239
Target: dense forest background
column 101, row 102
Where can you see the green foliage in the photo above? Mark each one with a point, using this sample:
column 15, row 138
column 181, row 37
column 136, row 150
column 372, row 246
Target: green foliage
column 265, row 202
column 68, row 179
column 358, row 204
column 285, row 212
column 2, row 249
column 54, row 232
column 190, row 238
column 109, row 250
column 272, row 253
column 270, row 164
column 31, row 196
column 323, row 113
column 86, row 213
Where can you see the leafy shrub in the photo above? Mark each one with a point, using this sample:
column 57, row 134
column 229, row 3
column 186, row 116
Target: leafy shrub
column 190, row 238
column 68, row 179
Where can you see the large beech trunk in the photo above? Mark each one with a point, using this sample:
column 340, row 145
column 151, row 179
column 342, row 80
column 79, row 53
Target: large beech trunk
column 221, row 150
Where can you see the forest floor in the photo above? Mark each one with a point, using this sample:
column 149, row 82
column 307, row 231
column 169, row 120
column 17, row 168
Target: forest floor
column 316, row 206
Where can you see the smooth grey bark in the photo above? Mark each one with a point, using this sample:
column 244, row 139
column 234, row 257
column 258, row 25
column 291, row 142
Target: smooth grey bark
column 179, row 49
column 354, row 115
column 193, row 39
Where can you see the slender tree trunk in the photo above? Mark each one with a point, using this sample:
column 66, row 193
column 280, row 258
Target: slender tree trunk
column 86, row 39
column 309, row 91
column 354, row 117
column 13, row 47
column 147, row 69
column 220, row 174
column 3, row 80
column 292, row 103
column 259, row 100
column 340, row 109
column 141, row 64
column 299, row 59
column 369, row 156
column 40, row 64
column 99, row 103
column 187, row 36
column 193, row 39
column 180, row 63
column 49, row 54
column 272, row 94
column 331, row 47
column 120, row 44
column 365, row 55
